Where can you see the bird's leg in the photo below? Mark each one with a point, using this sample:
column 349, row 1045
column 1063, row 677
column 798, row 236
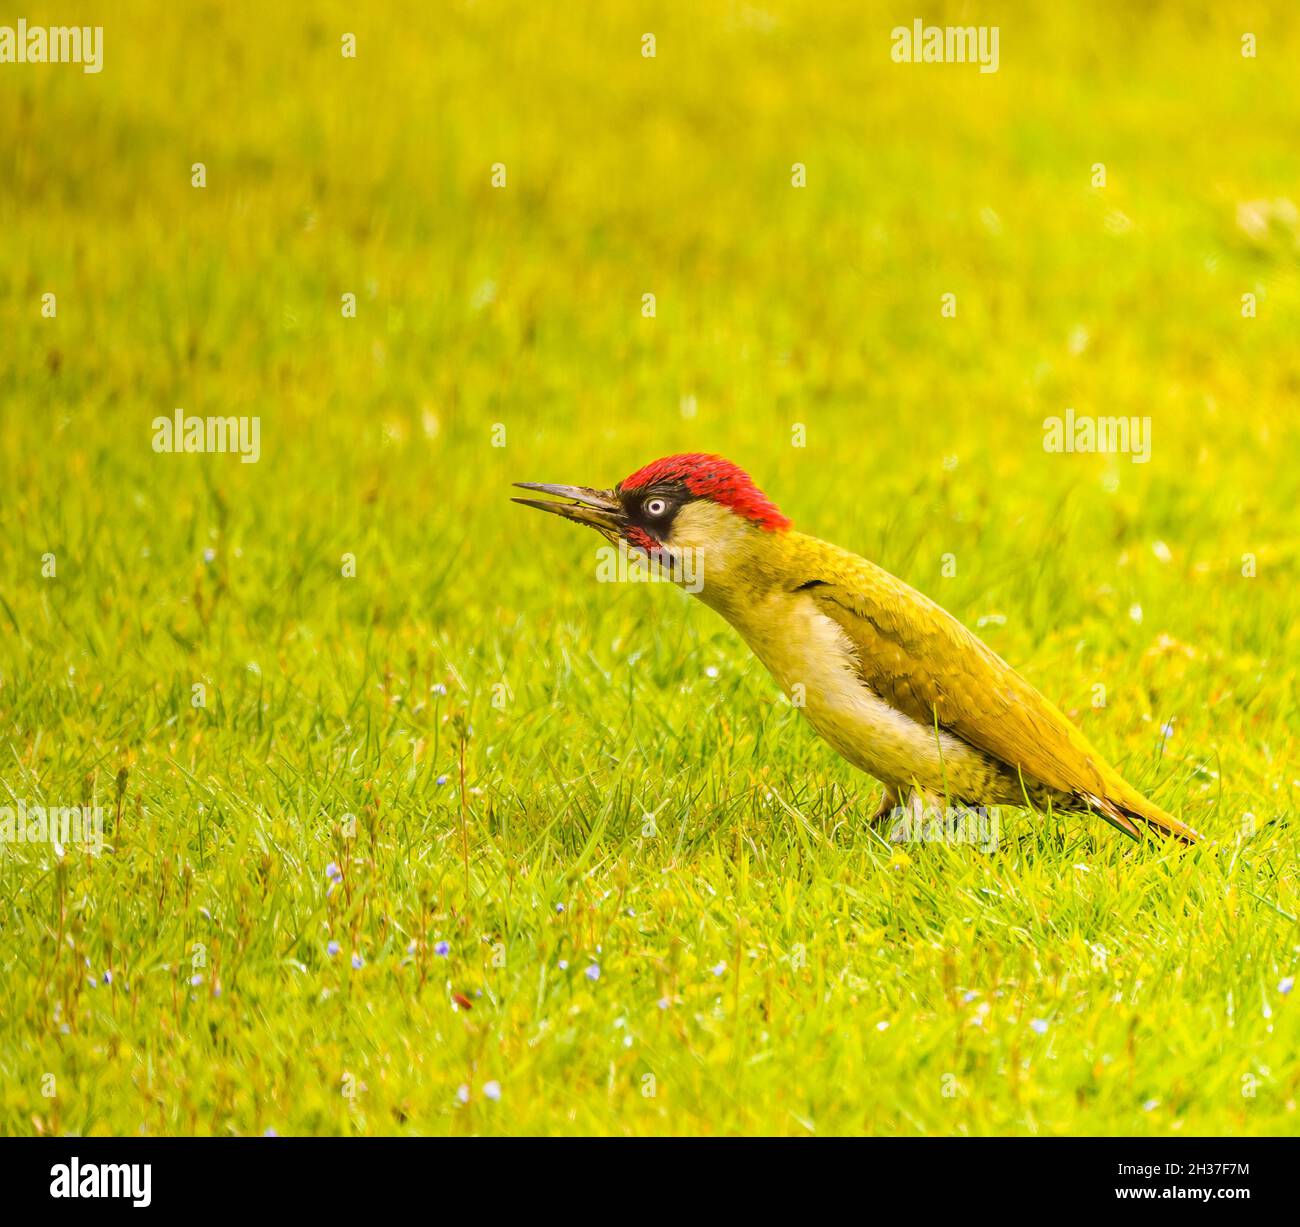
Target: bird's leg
column 888, row 803
column 925, row 806
column 914, row 816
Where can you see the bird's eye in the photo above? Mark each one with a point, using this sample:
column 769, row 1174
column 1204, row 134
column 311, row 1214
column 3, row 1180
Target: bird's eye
column 655, row 506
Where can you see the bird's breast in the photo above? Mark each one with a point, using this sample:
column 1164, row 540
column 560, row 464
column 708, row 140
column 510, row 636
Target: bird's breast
column 813, row 662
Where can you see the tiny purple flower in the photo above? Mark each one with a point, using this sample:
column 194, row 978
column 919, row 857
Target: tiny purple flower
column 1285, row 985
column 442, row 949
column 593, row 972
column 357, row 962
column 1039, row 1025
column 492, row 1090
column 333, row 949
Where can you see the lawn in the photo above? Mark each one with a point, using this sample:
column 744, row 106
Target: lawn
column 412, row 826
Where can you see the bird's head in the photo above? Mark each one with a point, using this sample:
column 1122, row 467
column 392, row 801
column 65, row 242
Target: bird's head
column 692, row 509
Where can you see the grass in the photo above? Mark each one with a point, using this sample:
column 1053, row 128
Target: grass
column 766, row 963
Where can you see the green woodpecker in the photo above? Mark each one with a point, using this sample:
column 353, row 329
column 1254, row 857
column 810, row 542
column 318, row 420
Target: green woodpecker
column 895, row 684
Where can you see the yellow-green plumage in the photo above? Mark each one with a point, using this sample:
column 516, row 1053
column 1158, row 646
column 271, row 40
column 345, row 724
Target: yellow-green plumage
column 894, row 682
column 890, row 680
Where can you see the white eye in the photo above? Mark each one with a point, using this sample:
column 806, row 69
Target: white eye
column 655, row 506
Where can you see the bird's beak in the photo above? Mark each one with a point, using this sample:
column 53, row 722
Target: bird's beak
column 598, row 509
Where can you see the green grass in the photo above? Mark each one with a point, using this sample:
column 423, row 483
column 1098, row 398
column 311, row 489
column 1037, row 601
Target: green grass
column 773, row 965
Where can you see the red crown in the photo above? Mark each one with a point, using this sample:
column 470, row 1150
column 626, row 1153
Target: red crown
column 714, row 478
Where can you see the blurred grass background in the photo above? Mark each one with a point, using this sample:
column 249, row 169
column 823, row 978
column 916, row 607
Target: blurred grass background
column 482, row 308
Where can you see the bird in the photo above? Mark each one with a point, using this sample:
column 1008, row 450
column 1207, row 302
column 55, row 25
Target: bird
column 889, row 679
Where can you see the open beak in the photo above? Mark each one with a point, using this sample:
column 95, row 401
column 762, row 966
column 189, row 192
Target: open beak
column 598, row 509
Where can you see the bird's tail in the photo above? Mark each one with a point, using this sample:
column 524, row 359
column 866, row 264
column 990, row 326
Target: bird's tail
column 1124, row 807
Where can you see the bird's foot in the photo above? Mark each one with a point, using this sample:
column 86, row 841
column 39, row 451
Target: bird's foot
column 908, row 820
column 885, row 810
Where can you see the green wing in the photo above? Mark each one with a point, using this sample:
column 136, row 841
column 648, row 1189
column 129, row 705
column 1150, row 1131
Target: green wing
column 925, row 663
